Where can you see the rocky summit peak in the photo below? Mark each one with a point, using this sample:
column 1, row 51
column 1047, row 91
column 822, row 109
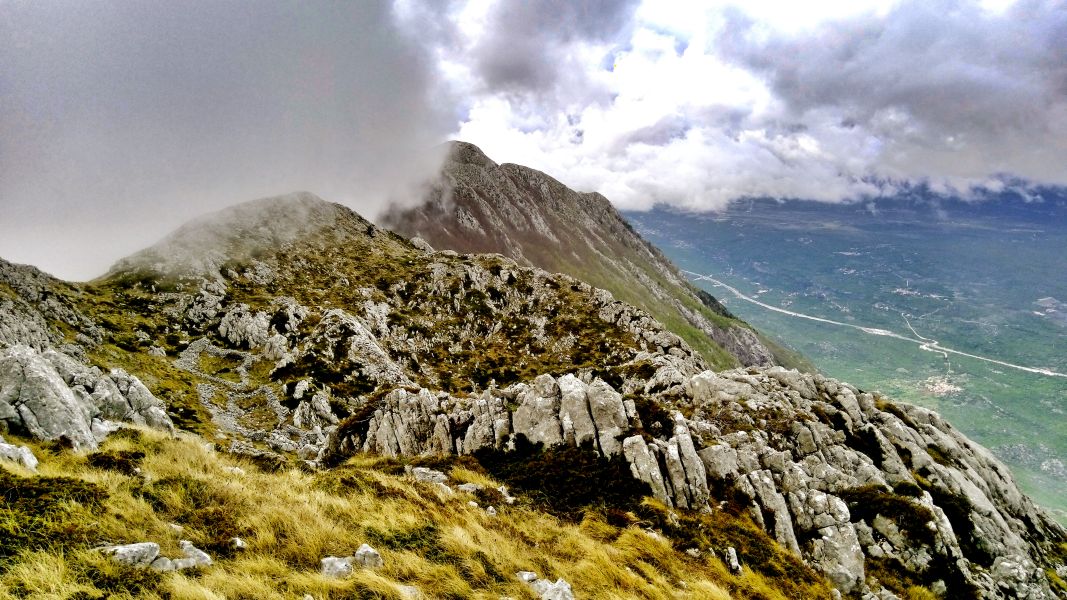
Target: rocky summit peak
column 466, row 153
column 203, row 245
column 479, row 206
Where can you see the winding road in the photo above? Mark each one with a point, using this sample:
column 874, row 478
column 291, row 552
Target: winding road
column 927, row 344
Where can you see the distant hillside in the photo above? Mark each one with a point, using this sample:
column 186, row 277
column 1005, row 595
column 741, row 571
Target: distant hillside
column 480, row 206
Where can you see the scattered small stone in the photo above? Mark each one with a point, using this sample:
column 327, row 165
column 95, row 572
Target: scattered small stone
column 238, row 543
column 490, row 511
column 428, row 475
column 135, row 555
column 694, row 552
column 410, row 591
column 157, row 351
column 234, row 470
column 341, row 566
column 194, row 557
column 18, row 454
column 470, row 488
column 444, row 489
column 472, row 504
column 175, row 527
column 546, row 589
column 335, row 566
column 508, row 498
column 368, row 557
column 731, row 560
column 560, row 590
column 146, row 554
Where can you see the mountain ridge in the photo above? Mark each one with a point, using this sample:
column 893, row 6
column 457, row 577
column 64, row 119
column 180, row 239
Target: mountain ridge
column 311, row 350
column 477, row 205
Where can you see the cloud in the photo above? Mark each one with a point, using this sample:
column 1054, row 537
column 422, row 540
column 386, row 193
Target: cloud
column 528, row 47
column 120, row 120
column 702, row 104
column 949, row 90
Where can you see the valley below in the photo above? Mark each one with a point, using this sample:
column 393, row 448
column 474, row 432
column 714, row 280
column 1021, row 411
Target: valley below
column 962, row 316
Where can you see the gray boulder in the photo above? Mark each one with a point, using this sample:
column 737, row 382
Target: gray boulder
column 135, row 555
column 537, row 414
column 334, row 566
column 51, row 395
column 368, row 557
column 548, row 590
column 35, row 399
column 18, row 454
column 193, row 557
column 140, row 406
column 242, row 327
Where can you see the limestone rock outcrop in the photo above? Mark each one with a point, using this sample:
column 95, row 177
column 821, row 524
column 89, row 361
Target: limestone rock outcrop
column 51, row 396
column 836, row 475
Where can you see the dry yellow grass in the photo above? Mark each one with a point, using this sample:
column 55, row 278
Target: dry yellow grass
column 431, row 540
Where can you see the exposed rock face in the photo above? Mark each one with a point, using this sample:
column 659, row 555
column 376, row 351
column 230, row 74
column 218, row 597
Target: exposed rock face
column 36, row 400
column 832, row 473
column 51, row 396
column 242, row 327
column 30, row 304
column 480, row 206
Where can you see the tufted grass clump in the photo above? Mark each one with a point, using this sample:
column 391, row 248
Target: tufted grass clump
column 729, row 527
column 565, row 480
column 290, row 519
column 44, row 512
column 867, row 502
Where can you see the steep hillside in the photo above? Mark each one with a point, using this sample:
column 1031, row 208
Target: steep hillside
column 292, row 334
column 480, row 206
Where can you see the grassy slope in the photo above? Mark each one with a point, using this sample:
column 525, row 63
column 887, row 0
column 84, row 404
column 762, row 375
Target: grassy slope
column 290, row 519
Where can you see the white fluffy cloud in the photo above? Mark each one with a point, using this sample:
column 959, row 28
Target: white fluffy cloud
column 697, row 104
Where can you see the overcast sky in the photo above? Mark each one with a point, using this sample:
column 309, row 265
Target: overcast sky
column 120, row 120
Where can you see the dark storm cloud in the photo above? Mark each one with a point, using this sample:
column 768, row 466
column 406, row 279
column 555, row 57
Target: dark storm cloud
column 945, row 87
column 118, row 120
column 527, row 46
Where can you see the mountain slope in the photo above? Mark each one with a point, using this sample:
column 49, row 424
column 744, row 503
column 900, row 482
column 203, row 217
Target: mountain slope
column 294, row 334
column 479, row 206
